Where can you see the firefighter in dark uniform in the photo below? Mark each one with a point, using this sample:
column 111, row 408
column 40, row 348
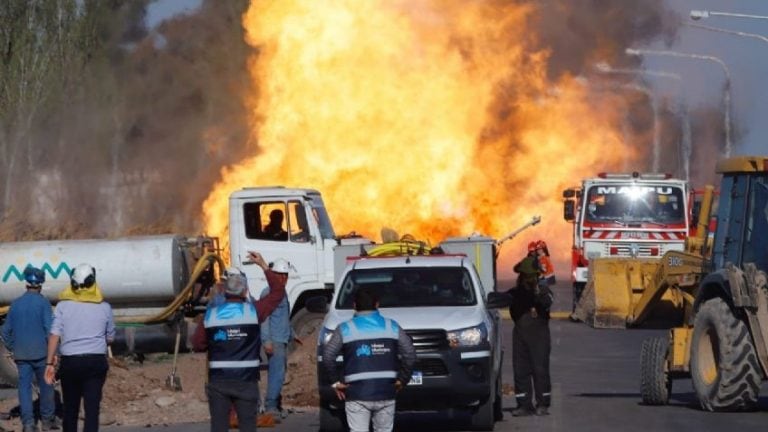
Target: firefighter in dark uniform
column 378, row 360
column 530, row 337
column 231, row 335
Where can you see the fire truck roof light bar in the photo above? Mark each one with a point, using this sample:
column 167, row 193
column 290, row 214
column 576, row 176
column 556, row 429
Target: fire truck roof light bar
column 635, row 175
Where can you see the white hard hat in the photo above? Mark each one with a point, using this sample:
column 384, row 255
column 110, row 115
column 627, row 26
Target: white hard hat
column 281, row 265
column 232, row 271
column 83, row 276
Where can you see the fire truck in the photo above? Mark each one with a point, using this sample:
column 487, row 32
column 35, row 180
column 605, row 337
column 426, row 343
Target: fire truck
column 625, row 215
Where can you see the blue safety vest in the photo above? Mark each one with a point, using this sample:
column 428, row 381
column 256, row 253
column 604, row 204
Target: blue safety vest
column 370, row 356
column 234, row 341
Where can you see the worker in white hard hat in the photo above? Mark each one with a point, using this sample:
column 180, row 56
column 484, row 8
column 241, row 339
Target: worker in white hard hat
column 232, row 336
column 276, row 333
column 83, row 326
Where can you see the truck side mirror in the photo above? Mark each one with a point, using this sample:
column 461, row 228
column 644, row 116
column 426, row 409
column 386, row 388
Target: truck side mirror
column 569, row 193
column 569, row 210
column 497, row 300
column 317, row 304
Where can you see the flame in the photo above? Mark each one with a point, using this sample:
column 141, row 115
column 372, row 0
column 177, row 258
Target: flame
column 432, row 117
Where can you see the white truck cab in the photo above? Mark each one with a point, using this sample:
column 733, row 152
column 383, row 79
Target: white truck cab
column 306, row 239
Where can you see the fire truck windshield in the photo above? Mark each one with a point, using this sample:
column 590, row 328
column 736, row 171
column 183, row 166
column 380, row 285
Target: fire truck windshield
column 625, row 204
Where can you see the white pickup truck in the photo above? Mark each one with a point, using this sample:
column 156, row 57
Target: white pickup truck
column 448, row 309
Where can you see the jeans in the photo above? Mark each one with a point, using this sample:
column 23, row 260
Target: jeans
column 82, row 378
column 28, row 371
column 360, row 414
column 276, row 376
column 244, row 395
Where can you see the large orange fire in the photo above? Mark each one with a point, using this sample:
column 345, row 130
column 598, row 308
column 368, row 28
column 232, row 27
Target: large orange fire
column 429, row 117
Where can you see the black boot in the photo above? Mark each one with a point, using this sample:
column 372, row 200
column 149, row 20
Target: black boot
column 523, row 411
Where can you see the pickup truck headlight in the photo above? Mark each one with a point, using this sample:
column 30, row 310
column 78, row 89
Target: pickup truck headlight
column 470, row 336
column 324, row 335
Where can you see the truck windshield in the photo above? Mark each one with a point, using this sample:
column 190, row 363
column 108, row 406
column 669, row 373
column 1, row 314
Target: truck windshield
column 321, row 216
column 624, row 204
column 411, row 287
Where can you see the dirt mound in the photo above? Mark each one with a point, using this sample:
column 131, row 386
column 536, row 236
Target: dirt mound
column 135, row 393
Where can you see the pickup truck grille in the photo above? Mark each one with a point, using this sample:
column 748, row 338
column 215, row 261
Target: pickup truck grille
column 428, row 340
column 431, row 367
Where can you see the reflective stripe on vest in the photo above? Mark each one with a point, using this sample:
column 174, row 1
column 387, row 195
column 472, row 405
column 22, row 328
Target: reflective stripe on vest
column 224, row 364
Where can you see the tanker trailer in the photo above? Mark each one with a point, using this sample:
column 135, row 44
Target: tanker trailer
column 153, row 283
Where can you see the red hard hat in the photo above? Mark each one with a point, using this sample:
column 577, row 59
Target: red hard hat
column 541, row 244
column 532, row 246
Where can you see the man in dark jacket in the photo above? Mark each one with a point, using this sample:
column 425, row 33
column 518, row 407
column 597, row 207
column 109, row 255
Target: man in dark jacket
column 231, row 335
column 530, row 337
column 378, row 360
column 25, row 334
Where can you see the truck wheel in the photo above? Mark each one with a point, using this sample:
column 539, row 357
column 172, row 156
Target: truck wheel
column 578, row 288
column 332, row 420
column 724, row 366
column 655, row 383
column 498, row 414
column 483, row 416
column 305, row 326
column 9, row 375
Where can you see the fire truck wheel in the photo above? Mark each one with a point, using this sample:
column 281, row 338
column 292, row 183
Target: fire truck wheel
column 655, row 383
column 724, row 366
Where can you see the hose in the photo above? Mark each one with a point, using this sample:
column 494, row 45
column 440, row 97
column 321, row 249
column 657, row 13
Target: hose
column 202, row 264
column 402, row 247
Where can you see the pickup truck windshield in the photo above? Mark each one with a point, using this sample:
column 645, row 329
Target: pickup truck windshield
column 661, row 205
column 411, row 287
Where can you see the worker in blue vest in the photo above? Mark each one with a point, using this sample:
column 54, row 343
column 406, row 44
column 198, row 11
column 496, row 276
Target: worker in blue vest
column 231, row 335
column 378, row 360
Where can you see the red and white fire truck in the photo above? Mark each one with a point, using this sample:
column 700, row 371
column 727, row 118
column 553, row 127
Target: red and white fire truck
column 625, row 215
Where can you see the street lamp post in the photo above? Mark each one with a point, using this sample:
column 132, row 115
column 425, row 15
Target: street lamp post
column 726, row 87
column 685, row 147
column 726, row 31
column 702, row 14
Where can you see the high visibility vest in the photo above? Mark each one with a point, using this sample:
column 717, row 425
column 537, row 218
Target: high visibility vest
column 370, row 356
column 234, row 341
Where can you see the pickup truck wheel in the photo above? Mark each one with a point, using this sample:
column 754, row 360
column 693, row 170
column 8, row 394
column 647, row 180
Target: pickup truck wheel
column 9, row 375
column 655, row 383
column 724, row 366
column 498, row 414
column 305, row 326
column 332, row 420
column 483, row 417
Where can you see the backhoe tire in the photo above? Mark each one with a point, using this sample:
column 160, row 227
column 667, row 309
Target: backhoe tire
column 724, row 367
column 655, row 383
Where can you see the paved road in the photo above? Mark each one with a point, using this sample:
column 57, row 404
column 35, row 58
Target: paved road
column 595, row 388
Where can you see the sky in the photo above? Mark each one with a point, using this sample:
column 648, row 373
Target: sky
column 746, row 58
column 160, row 10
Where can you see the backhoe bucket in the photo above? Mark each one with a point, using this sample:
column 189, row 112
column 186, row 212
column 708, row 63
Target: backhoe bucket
column 615, row 286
